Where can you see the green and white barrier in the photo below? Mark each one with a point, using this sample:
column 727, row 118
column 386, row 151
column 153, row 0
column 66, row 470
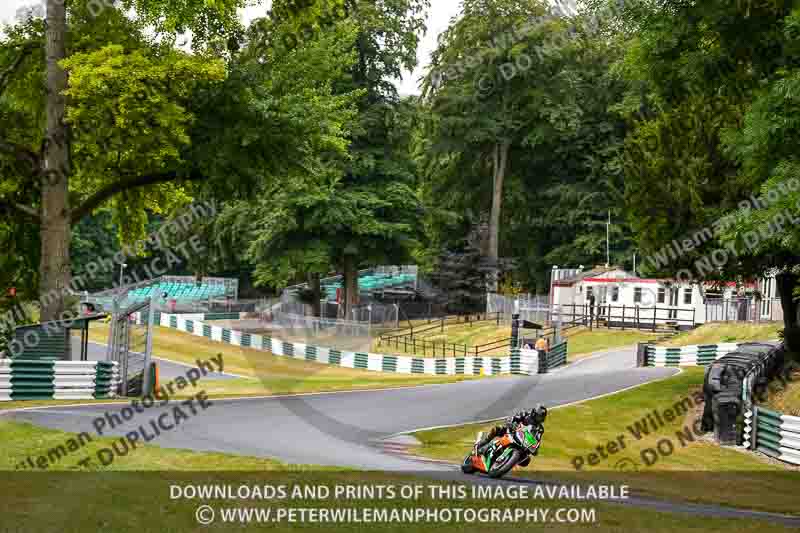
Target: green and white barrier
column 773, row 434
column 516, row 363
column 554, row 358
column 688, row 355
column 26, row 379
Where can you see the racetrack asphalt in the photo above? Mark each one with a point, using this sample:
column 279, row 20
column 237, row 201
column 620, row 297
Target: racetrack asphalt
column 167, row 370
column 350, row 429
column 342, row 428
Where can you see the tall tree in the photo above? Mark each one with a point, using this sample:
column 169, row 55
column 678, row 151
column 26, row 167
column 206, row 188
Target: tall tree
column 54, row 215
column 149, row 126
column 492, row 94
column 699, row 142
column 361, row 210
column 51, row 164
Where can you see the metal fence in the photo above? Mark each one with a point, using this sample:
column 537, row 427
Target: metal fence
column 743, row 310
column 131, row 345
column 409, row 339
column 342, row 334
column 534, row 308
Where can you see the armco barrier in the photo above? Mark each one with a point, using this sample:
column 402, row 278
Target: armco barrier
column 30, row 379
column 773, row 434
column 729, row 384
column 702, row 355
column 516, row 362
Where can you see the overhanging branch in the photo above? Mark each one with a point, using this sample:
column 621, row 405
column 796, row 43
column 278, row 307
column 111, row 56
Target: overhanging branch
column 20, row 208
column 122, row 185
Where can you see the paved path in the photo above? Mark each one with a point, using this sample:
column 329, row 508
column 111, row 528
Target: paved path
column 167, row 370
column 349, row 428
column 342, row 428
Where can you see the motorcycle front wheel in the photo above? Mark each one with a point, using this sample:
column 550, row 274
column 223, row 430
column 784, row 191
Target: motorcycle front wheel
column 500, row 469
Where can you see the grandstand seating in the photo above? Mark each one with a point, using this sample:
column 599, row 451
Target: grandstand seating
column 370, row 282
column 179, row 291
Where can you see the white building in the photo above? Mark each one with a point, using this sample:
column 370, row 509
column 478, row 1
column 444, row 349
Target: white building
column 620, row 296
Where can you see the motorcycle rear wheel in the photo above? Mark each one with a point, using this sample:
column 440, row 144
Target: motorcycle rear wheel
column 501, row 469
column 466, row 466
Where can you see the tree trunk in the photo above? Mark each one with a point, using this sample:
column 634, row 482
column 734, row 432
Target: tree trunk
column 349, row 287
column 55, row 230
column 786, row 282
column 483, row 233
column 499, row 163
column 316, row 294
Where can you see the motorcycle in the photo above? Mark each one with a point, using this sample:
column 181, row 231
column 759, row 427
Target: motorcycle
column 504, row 452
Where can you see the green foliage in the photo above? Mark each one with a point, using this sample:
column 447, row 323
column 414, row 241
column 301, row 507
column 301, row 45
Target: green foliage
column 349, row 191
column 130, row 117
column 696, row 74
column 460, row 276
column 512, row 71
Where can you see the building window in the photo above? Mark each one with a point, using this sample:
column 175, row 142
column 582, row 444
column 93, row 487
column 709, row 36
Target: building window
column 615, row 294
column 637, row 295
column 687, row 296
column 662, row 295
column 589, row 293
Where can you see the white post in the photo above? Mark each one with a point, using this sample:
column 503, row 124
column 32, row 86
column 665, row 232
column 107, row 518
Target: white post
column 608, row 240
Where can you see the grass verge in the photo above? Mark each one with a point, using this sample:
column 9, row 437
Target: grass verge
column 723, row 332
column 582, row 342
column 270, row 374
column 136, row 493
column 784, row 396
column 695, row 470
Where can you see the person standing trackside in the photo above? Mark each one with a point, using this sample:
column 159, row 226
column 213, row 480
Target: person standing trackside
column 542, row 347
column 541, row 344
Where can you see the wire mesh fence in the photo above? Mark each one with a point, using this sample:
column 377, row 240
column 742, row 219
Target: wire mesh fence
column 743, row 310
column 534, row 308
column 329, row 332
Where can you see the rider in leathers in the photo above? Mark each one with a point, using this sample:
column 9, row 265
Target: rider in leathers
column 535, row 417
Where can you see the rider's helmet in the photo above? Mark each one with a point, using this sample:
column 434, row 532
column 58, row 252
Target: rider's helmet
column 538, row 414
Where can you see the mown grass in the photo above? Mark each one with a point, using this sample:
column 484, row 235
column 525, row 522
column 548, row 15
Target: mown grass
column 784, row 396
column 21, row 440
column 582, row 342
column 135, row 493
column 143, row 502
column 723, row 332
column 470, row 335
column 700, row 471
column 270, row 374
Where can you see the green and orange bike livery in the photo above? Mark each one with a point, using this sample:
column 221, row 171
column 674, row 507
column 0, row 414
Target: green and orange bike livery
column 504, row 452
